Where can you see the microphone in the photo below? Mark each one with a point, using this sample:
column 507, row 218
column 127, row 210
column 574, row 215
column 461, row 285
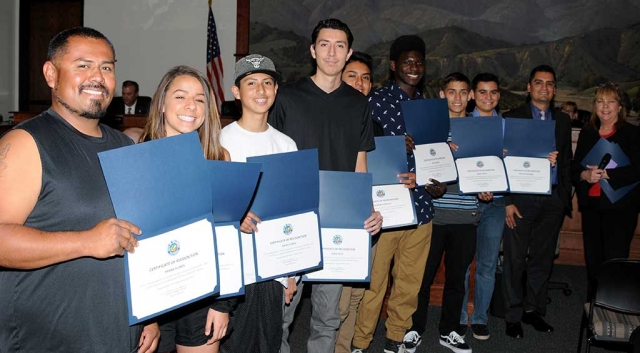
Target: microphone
column 604, row 161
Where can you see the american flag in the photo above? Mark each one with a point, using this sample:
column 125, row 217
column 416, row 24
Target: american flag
column 215, row 73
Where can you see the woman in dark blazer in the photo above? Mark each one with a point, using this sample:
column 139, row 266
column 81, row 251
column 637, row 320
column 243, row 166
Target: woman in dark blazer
column 607, row 226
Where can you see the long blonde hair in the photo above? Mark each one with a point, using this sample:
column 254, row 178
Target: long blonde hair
column 209, row 131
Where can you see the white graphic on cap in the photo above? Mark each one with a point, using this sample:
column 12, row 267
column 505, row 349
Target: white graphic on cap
column 255, row 62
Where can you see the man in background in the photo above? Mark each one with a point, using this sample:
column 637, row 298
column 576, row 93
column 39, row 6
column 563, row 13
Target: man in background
column 130, row 102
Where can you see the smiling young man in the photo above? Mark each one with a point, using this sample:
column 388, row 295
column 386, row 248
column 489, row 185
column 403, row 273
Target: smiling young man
column 258, row 316
column 62, row 286
column 407, row 246
column 534, row 221
column 323, row 112
column 486, row 93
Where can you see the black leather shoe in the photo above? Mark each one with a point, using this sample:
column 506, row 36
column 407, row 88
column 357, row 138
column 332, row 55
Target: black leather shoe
column 514, row 329
column 534, row 319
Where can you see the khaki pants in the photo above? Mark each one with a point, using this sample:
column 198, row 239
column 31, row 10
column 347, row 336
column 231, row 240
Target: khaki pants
column 409, row 250
column 349, row 303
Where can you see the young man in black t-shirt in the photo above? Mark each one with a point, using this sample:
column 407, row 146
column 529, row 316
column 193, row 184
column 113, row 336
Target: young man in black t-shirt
column 325, row 113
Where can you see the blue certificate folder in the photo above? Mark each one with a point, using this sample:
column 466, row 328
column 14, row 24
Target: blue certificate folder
column 232, row 187
column 387, row 161
column 477, row 137
column 426, row 120
column 289, row 185
column 529, row 137
column 345, row 203
column 159, row 186
column 602, row 147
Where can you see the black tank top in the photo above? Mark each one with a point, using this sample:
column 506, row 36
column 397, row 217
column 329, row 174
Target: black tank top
column 79, row 305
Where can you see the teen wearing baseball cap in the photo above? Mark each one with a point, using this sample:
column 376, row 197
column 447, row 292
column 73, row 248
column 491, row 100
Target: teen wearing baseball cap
column 258, row 317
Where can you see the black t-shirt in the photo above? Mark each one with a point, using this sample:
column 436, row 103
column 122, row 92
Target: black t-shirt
column 338, row 124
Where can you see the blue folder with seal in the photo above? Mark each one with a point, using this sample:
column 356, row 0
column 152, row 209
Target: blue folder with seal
column 232, row 187
column 163, row 187
column 390, row 197
column 345, row 203
column 528, row 143
column 479, row 156
column 288, row 238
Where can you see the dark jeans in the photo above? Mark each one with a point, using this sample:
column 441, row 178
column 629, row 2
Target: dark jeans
column 530, row 248
column 458, row 242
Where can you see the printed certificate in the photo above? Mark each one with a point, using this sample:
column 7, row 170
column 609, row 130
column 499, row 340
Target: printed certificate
column 434, row 161
column 229, row 261
column 528, row 175
column 346, row 256
column 481, row 174
column 395, row 204
column 287, row 245
column 172, row 269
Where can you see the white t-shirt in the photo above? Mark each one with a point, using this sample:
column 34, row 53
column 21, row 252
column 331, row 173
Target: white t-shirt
column 242, row 143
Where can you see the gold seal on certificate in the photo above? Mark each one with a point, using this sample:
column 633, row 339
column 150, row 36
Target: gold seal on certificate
column 395, row 204
column 172, row 269
column 345, row 254
column 481, row 174
column 434, row 161
column 528, row 175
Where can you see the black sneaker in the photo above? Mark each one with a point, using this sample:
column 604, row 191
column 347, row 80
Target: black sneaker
column 455, row 343
column 391, row 346
column 480, row 332
column 411, row 341
column 462, row 330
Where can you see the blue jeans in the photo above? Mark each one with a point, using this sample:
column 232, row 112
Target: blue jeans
column 487, row 249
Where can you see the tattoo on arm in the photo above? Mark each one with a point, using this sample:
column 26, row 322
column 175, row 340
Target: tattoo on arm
column 4, row 150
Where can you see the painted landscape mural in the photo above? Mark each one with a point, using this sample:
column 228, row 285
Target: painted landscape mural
column 588, row 42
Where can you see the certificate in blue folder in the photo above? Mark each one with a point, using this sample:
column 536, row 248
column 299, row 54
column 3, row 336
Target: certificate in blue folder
column 479, row 155
column 163, row 187
column 528, row 142
column 390, row 197
column 426, row 120
column 618, row 158
column 345, row 203
column 232, row 187
column 288, row 238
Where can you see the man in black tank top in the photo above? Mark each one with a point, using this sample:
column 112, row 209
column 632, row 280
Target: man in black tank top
column 61, row 265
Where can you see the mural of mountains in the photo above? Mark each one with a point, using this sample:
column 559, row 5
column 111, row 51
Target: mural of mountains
column 515, row 21
column 581, row 61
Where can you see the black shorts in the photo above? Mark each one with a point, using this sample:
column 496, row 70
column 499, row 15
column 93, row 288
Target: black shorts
column 184, row 326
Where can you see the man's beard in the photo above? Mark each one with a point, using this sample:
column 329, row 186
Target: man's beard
column 96, row 111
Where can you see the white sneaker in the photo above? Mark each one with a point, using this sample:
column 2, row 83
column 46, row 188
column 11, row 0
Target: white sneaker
column 411, row 341
column 455, row 343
